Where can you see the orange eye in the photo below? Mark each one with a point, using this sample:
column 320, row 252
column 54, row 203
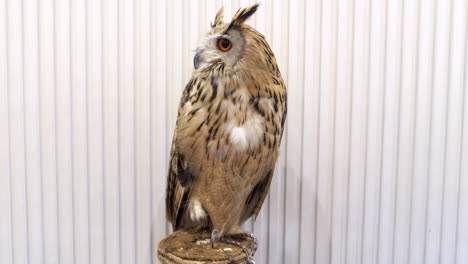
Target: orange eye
column 224, row 44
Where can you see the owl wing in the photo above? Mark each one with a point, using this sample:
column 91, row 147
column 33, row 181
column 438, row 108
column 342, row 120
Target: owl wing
column 178, row 188
column 258, row 194
column 179, row 180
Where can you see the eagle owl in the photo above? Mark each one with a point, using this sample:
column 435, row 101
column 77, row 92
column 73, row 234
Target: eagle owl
column 228, row 132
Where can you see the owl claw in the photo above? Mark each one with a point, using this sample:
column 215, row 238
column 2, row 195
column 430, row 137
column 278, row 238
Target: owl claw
column 214, row 235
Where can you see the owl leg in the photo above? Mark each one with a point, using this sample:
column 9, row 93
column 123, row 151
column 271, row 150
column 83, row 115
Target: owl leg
column 214, row 235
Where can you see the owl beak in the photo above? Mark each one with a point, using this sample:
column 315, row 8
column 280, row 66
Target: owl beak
column 197, row 60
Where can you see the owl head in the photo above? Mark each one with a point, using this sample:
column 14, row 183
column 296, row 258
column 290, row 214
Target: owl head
column 233, row 46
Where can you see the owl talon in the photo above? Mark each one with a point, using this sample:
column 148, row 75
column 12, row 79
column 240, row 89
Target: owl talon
column 214, row 235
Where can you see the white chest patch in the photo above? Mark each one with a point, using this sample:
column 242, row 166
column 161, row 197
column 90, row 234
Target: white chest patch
column 197, row 213
column 247, row 135
column 239, row 137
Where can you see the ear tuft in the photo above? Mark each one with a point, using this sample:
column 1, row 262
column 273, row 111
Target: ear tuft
column 242, row 15
column 219, row 18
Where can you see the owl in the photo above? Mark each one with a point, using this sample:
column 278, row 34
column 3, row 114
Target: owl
column 228, row 132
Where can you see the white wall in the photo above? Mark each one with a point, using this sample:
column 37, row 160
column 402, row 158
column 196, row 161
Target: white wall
column 374, row 164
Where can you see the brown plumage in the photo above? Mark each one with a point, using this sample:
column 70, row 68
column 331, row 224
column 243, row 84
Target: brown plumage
column 229, row 128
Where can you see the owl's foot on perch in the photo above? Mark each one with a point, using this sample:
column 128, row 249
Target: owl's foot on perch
column 214, row 235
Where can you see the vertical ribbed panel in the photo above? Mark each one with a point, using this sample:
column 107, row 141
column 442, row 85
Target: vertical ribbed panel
column 374, row 160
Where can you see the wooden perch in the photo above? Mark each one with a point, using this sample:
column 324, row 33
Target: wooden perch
column 193, row 246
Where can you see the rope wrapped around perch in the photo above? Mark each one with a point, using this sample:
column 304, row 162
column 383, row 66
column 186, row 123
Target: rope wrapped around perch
column 193, row 246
